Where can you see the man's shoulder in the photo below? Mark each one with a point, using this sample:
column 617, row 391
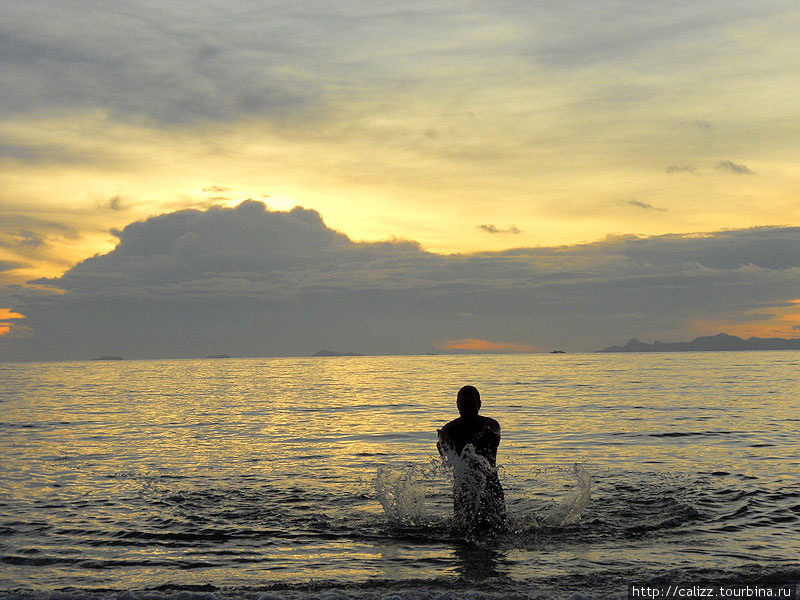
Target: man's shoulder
column 491, row 423
column 451, row 424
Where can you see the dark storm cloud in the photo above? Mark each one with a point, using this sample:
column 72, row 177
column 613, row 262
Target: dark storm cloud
column 267, row 282
column 732, row 167
column 489, row 228
column 643, row 205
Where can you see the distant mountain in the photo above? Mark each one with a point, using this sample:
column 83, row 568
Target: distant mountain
column 332, row 353
column 719, row 342
column 218, row 356
column 109, row 358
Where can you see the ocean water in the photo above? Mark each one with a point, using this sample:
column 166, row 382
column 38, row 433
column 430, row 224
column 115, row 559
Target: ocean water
column 319, row 478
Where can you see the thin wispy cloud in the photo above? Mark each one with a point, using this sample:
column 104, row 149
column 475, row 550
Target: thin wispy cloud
column 21, row 239
column 10, row 265
column 642, row 205
column 728, row 166
column 704, row 126
column 18, row 152
column 489, row 228
column 681, row 169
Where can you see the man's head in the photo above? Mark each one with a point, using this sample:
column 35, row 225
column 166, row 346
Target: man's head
column 468, row 401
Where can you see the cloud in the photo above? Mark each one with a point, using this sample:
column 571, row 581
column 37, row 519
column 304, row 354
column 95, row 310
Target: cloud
column 644, row 205
column 115, row 203
column 314, row 103
column 20, row 239
column 26, row 241
column 704, row 126
column 245, row 249
column 5, row 316
column 475, row 345
column 11, row 330
column 7, row 313
column 680, row 169
column 492, row 229
column 263, row 282
column 25, row 230
column 18, row 152
column 732, row 167
column 37, row 149
column 10, row 265
column 176, row 71
column 164, row 63
column 25, row 238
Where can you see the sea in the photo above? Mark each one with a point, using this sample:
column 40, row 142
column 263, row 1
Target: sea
column 319, row 478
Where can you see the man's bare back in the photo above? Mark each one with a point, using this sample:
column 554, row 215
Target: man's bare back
column 482, row 432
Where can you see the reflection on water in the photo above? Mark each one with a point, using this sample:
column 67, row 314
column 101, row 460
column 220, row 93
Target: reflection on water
column 256, row 472
column 479, row 563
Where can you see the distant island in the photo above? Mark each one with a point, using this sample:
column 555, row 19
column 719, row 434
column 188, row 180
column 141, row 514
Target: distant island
column 218, row 356
column 332, row 353
column 719, row 342
column 557, row 352
column 109, row 358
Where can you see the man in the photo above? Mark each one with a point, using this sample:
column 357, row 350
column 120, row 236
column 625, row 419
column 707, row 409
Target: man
column 470, row 443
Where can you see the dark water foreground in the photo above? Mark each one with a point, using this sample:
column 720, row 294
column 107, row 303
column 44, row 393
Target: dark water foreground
column 297, row 478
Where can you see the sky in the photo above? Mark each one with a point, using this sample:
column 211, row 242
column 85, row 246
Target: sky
column 275, row 178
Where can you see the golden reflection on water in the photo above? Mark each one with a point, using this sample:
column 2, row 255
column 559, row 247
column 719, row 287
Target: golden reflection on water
column 276, row 457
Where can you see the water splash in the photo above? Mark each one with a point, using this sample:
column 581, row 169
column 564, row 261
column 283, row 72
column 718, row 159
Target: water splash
column 408, row 494
column 452, row 491
column 570, row 508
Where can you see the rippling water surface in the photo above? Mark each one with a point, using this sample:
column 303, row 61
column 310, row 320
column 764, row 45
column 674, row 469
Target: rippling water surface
column 258, row 476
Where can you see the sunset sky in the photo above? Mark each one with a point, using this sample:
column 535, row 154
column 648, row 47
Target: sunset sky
column 506, row 176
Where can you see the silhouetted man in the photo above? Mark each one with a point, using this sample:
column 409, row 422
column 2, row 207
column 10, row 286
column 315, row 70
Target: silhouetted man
column 471, row 442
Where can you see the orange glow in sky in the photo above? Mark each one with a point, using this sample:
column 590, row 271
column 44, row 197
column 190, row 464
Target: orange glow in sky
column 485, row 346
column 7, row 313
column 783, row 322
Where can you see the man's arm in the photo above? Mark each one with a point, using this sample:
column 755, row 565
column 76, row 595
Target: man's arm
column 444, row 439
column 494, row 427
column 491, row 435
